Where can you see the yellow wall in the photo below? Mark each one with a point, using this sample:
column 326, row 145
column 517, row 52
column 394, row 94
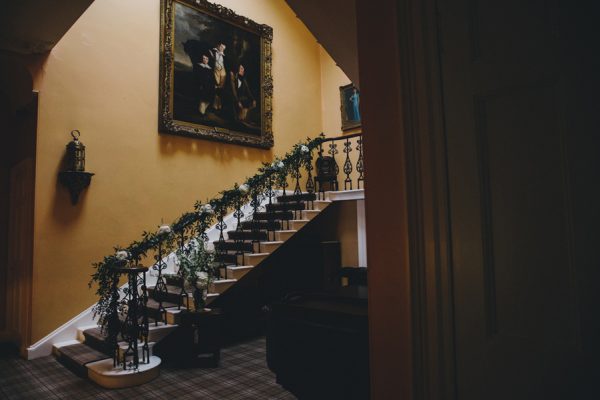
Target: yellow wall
column 332, row 77
column 102, row 78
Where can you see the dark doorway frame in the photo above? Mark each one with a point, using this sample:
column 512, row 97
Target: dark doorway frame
column 410, row 294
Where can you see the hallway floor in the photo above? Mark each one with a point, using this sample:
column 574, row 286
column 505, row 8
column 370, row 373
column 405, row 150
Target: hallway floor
column 242, row 374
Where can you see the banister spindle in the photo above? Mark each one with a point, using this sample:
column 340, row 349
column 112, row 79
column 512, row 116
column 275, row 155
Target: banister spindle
column 310, row 183
column 359, row 163
column 160, row 289
column 347, row 164
column 221, row 226
column 255, row 203
column 183, row 294
column 113, row 322
column 320, row 189
column 239, row 239
column 144, row 328
column 336, row 170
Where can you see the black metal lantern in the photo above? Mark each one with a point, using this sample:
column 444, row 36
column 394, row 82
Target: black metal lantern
column 75, row 178
column 75, row 153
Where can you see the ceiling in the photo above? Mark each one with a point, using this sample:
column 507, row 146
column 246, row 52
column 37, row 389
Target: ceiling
column 35, row 26
column 333, row 23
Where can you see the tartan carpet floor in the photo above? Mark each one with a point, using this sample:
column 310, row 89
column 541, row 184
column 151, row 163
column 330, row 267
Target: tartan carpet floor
column 242, row 374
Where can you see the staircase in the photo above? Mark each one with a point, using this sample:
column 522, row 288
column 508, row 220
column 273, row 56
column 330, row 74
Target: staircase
column 243, row 250
column 240, row 254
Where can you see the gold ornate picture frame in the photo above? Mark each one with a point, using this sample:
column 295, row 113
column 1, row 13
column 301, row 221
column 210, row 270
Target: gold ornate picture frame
column 215, row 74
column 349, row 107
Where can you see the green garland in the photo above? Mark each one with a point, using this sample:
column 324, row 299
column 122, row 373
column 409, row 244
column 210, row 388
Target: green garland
column 105, row 276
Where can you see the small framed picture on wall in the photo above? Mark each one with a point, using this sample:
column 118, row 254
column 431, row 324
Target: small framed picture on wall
column 350, row 107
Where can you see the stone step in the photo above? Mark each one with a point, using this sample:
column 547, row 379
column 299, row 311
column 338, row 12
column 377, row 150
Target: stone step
column 104, row 374
column 284, row 235
column 220, row 285
column 251, row 259
column 235, row 272
column 297, row 224
column 267, row 247
column 321, row 204
column 309, row 214
column 273, row 216
column 297, row 197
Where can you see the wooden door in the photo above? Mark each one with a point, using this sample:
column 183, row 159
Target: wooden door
column 509, row 86
column 20, row 250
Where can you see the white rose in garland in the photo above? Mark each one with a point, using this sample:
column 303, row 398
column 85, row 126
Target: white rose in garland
column 280, row 164
column 122, row 255
column 207, row 208
column 304, row 149
column 164, row 229
column 243, row 188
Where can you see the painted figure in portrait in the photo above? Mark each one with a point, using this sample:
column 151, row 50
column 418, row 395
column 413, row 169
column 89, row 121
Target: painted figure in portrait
column 218, row 74
column 350, row 107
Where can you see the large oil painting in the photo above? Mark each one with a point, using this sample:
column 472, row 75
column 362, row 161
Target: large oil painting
column 215, row 80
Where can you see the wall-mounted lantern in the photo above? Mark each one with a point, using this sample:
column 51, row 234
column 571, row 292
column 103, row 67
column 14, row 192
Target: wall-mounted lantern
column 75, row 178
column 75, row 153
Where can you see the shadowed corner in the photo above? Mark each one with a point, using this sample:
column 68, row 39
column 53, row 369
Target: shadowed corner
column 9, row 345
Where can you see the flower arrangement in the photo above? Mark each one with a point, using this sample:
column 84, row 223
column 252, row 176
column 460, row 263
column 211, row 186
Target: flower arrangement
column 195, row 267
column 199, row 220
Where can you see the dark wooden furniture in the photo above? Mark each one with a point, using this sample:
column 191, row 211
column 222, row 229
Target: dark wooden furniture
column 202, row 334
column 317, row 344
column 196, row 342
column 327, row 172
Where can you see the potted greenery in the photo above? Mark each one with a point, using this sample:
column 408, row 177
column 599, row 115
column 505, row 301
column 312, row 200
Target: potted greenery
column 195, row 265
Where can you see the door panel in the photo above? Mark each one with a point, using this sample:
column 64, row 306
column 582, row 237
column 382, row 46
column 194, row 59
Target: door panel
column 20, row 250
column 517, row 324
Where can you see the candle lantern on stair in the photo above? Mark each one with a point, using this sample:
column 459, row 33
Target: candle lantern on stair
column 74, row 177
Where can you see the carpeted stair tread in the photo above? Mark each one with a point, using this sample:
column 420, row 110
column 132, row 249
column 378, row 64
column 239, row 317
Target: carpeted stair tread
column 173, row 294
column 170, row 289
column 273, row 216
column 76, row 356
column 232, row 245
column 286, row 206
column 247, row 235
column 96, row 333
column 96, row 339
column 297, row 197
column 153, row 304
column 226, row 258
column 172, row 279
column 261, row 225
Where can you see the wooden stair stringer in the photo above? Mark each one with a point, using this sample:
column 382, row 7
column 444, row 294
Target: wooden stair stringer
column 299, row 224
column 243, row 302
